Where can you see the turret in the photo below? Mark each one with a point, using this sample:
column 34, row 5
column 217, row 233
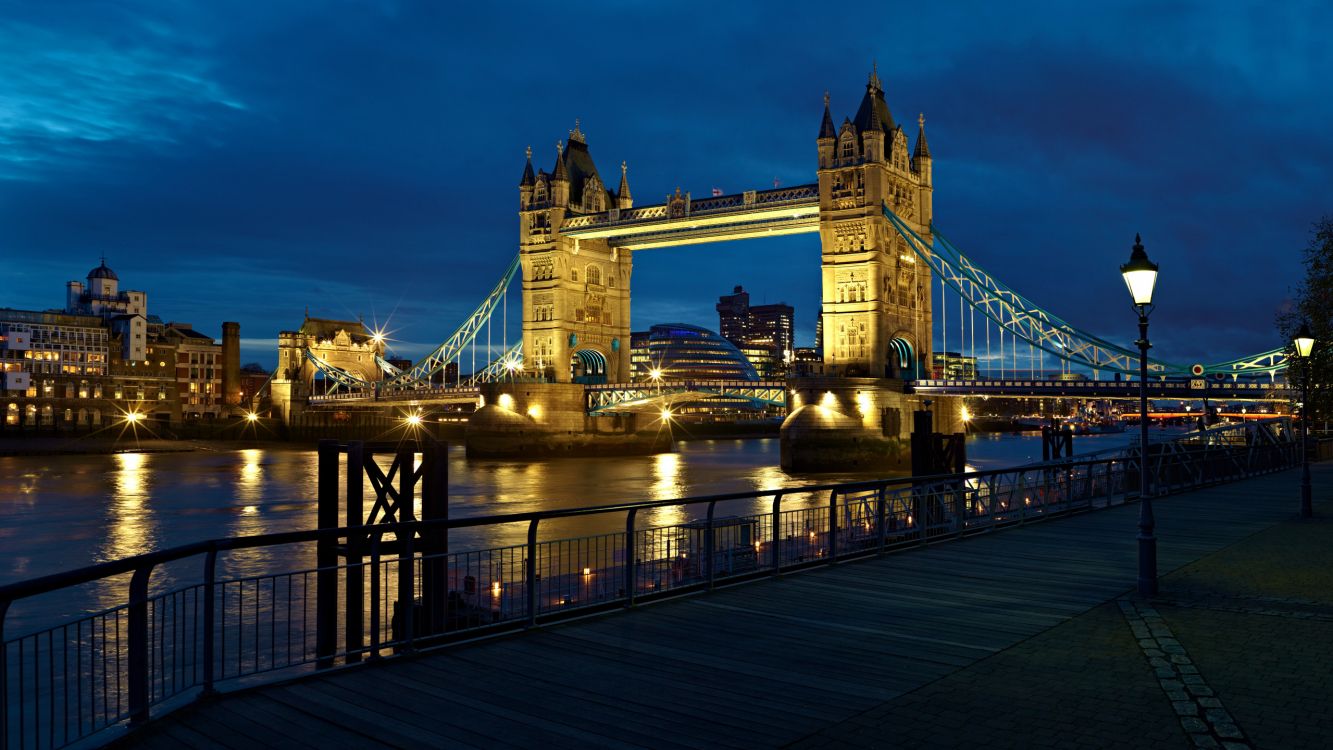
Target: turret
column 560, row 178
column 921, row 155
column 828, row 137
column 873, row 120
column 527, row 183
column 623, row 198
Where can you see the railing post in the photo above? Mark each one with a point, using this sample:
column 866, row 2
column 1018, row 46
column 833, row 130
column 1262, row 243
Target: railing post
column 210, row 615
column 708, row 544
column 880, row 519
column 405, row 534
column 354, row 618
column 326, row 556
column 406, row 589
column 530, row 575
column 138, row 645
column 631, row 558
column 4, row 676
column 918, row 505
column 832, row 525
column 959, row 508
column 776, row 547
column 376, row 538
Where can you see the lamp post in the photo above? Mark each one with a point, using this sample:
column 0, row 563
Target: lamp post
column 1140, row 276
column 1304, row 343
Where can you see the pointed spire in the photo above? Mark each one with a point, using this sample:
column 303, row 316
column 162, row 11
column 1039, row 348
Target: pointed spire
column 560, row 173
column 529, row 179
column 922, row 148
column 623, row 193
column 874, row 83
column 826, row 125
column 876, row 124
column 576, row 135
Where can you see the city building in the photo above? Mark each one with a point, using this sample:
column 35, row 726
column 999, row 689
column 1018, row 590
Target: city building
column 806, row 361
column 198, row 371
column 101, row 357
column 763, row 332
column 953, row 366
column 676, row 351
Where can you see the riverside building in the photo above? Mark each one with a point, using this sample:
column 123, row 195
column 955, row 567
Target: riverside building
column 103, row 357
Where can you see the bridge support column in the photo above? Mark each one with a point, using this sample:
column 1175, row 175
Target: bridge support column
column 856, row 424
column 526, row 420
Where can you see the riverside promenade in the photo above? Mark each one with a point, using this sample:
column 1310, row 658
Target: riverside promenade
column 1029, row 637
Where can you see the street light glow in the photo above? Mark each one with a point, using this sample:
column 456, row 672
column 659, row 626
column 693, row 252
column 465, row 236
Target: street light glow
column 133, row 417
column 251, row 417
column 413, row 420
column 655, row 374
column 666, row 415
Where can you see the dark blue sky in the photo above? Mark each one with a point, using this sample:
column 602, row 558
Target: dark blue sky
column 240, row 161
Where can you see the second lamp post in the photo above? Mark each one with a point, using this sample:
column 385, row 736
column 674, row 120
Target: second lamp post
column 1140, row 276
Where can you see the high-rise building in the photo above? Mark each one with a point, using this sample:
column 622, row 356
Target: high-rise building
column 766, row 330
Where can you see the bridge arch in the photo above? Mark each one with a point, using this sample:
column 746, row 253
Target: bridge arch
column 902, row 360
column 587, row 365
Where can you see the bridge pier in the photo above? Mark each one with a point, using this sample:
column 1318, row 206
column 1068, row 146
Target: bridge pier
column 525, row 420
column 857, row 424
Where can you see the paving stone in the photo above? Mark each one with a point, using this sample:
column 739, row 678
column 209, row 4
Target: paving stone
column 1203, row 740
column 1229, row 731
column 1193, row 725
column 1185, row 708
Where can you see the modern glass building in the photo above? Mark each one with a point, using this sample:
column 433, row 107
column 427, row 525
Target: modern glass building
column 684, row 352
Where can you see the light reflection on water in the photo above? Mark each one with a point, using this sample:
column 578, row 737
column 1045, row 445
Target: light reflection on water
column 62, row 512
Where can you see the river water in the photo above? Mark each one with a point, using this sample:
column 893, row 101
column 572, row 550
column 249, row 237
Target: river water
column 63, row 512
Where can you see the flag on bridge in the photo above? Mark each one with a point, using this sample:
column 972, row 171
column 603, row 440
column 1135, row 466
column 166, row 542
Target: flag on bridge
column 717, row 192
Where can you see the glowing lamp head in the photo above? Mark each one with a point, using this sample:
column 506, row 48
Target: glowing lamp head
column 655, row 374
column 1304, row 341
column 377, row 337
column 1140, row 274
column 966, row 415
column 251, row 417
column 412, row 420
column 133, row 417
column 666, row 415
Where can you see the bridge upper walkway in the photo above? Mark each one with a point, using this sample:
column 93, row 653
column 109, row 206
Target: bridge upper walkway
column 819, row 655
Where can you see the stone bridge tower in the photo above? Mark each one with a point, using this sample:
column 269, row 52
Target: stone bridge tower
column 576, row 315
column 876, row 310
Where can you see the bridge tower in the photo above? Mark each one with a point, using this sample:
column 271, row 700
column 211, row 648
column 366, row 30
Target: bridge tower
column 876, row 309
column 576, row 315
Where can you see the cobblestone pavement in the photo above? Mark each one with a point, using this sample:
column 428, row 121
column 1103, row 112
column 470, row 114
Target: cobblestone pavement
column 1234, row 653
column 1257, row 619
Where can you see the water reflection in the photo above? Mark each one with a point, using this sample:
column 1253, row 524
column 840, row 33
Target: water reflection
column 666, row 486
column 131, row 522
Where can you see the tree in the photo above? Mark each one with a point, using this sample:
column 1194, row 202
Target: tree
column 1313, row 304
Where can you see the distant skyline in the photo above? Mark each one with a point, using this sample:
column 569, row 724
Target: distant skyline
column 246, row 161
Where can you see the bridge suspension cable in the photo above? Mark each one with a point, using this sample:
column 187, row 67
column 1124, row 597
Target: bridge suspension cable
column 1043, row 331
column 420, row 374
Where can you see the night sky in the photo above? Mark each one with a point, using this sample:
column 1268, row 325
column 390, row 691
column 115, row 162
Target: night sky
column 242, row 161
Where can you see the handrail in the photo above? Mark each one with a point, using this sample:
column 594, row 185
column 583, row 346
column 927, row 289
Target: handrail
column 88, row 574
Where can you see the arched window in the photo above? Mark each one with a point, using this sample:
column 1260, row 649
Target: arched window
column 848, row 147
column 594, row 275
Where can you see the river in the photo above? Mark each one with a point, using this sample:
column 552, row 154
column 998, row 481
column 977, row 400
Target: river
column 62, row 512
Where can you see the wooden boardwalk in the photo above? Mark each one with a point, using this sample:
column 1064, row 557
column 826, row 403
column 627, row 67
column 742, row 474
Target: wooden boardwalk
column 756, row 665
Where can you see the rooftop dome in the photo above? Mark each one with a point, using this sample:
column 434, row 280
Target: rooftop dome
column 103, row 272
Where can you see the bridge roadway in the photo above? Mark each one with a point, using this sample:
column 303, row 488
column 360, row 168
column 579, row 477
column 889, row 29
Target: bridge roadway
column 761, row 664
column 1193, row 389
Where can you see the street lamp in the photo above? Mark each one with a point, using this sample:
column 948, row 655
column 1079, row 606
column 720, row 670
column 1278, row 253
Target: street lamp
column 1140, row 276
column 1304, row 343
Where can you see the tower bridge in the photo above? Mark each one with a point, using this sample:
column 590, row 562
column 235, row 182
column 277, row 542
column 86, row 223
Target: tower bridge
column 568, row 381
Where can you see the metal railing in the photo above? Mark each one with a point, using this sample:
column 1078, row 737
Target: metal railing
column 70, row 681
